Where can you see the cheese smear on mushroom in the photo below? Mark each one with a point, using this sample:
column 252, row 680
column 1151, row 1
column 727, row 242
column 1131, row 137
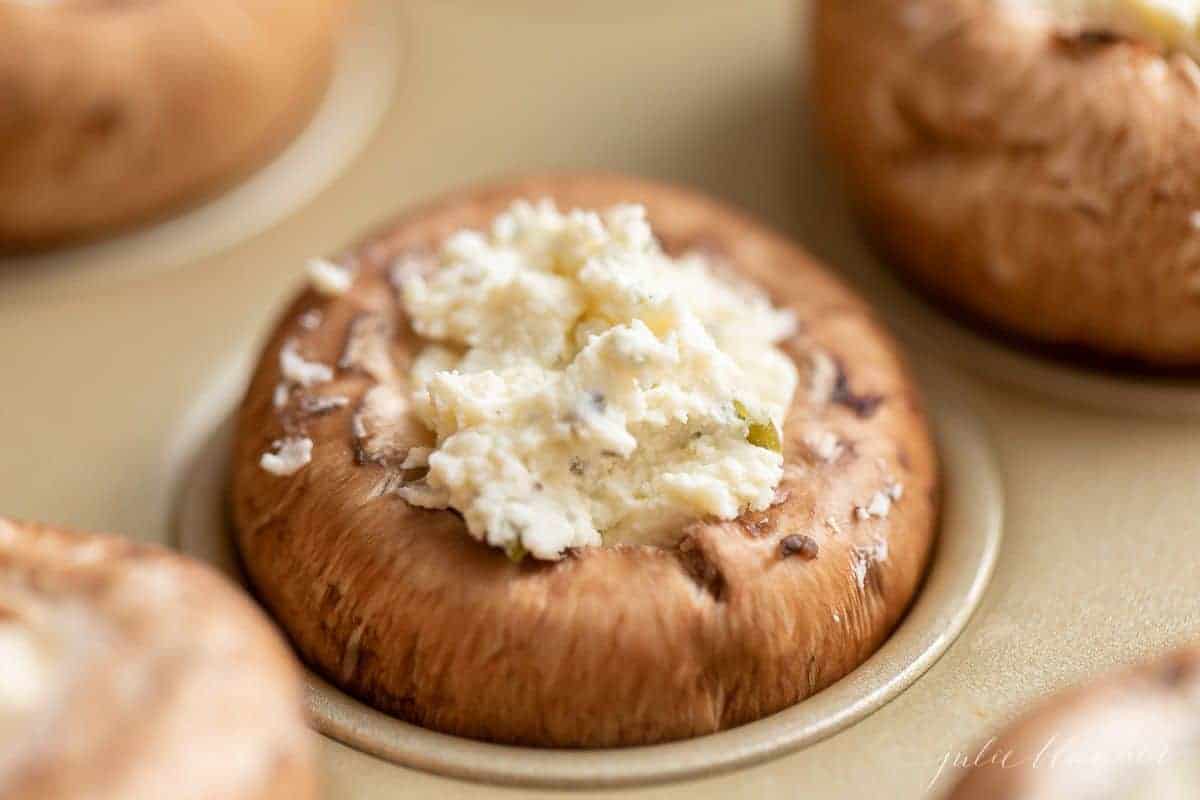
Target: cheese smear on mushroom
column 585, row 388
column 1171, row 23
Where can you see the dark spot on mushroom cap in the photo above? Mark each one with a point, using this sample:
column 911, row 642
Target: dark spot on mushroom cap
column 102, row 120
column 863, row 405
column 1176, row 670
column 799, row 545
column 331, row 598
column 703, row 572
column 1089, row 38
column 813, row 673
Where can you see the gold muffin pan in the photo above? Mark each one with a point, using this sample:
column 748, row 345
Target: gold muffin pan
column 361, row 89
column 113, row 387
column 966, row 551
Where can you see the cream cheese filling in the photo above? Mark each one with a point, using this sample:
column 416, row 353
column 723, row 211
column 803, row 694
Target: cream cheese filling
column 584, row 388
column 1173, row 24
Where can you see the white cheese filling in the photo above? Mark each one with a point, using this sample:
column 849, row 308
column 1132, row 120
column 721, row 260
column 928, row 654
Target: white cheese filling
column 297, row 370
column 1171, row 23
column 584, row 388
column 329, row 278
column 287, row 456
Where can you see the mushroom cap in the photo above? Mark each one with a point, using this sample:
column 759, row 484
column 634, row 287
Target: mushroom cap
column 130, row 673
column 1106, row 738
column 1040, row 177
column 621, row 645
column 118, row 111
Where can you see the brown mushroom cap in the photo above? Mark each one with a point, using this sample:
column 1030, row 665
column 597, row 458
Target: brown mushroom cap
column 117, row 111
column 1042, row 177
column 1106, row 739
column 156, row 678
column 611, row 646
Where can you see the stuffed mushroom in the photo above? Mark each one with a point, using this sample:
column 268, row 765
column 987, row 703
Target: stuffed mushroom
column 1033, row 163
column 582, row 461
column 113, row 112
column 1127, row 736
column 129, row 673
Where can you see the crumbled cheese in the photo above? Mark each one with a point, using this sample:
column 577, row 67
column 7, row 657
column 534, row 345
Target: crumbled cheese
column 881, row 550
column 377, row 421
column 329, row 278
column 311, row 320
column 287, row 456
column 824, row 445
column 863, row 557
column 881, row 505
column 586, row 388
column 368, row 347
column 878, row 507
column 858, row 568
column 283, row 392
column 1195, row 220
column 407, row 266
column 299, row 371
column 833, row 526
